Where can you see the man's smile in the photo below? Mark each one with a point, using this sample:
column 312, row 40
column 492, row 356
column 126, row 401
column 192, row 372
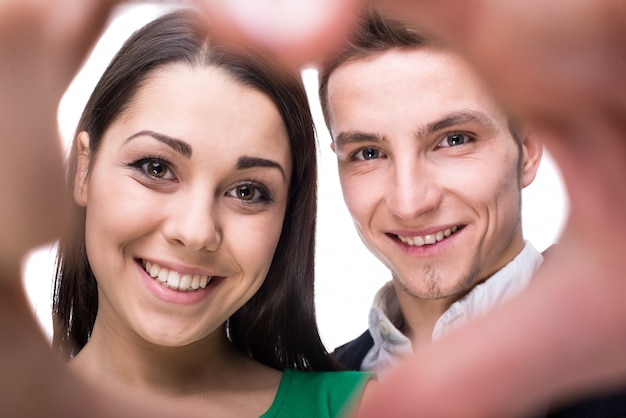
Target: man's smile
column 428, row 239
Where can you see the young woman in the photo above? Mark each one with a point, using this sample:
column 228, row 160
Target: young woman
column 188, row 267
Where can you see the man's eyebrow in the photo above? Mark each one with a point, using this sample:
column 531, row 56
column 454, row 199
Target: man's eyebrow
column 355, row 137
column 252, row 162
column 177, row 145
column 457, row 118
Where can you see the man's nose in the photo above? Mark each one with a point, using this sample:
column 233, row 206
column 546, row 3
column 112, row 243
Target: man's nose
column 413, row 190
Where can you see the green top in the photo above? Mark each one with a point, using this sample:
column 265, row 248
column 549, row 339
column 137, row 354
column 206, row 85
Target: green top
column 317, row 394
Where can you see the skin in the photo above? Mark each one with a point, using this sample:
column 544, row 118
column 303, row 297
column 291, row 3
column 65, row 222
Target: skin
column 200, row 191
column 45, row 44
column 572, row 311
column 546, row 57
column 434, row 152
column 35, row 35
column 558, row 68
column 585, row 274
column 297, row 33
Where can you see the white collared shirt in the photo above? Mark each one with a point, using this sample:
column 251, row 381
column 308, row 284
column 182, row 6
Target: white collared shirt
column 390, row 344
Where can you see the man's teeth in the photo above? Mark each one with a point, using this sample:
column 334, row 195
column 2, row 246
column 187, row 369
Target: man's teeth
column 420, row 240
column 175, row 280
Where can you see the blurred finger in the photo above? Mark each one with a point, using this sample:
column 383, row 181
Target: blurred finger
column 300, row 33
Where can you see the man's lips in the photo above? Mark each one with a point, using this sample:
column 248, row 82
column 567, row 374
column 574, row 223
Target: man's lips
column 429, row 239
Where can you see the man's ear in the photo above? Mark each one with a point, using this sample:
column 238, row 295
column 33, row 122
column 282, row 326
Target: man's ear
column 332, row 146
column 532, row 150
column 82, row 169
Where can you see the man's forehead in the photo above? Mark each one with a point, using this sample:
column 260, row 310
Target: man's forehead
column 425, row 83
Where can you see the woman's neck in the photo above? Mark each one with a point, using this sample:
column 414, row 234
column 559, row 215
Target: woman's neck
column 128, row 360
column 211, row 371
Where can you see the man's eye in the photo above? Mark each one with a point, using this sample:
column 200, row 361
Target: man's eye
column 453, row 140
column 367, row 154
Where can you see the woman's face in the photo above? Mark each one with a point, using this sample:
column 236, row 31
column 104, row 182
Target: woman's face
column 185, row 204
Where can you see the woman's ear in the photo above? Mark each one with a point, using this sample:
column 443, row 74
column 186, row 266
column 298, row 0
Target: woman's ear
column 82, row 169
column 532, row 150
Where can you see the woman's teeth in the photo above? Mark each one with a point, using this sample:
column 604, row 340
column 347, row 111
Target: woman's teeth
column 175, row 280
column 421, row 240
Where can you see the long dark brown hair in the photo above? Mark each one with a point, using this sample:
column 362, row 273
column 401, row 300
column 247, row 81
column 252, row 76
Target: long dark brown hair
column 277, row 325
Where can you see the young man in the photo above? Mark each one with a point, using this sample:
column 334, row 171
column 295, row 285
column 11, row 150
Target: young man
column 432, row 171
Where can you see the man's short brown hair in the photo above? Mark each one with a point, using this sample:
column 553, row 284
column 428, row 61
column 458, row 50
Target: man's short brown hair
column 372, row 35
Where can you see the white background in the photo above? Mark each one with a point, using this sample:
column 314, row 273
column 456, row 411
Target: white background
column 347, row 275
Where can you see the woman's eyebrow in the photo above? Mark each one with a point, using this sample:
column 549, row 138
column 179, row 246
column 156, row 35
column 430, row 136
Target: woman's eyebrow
column 177, row 145
column 252, row 162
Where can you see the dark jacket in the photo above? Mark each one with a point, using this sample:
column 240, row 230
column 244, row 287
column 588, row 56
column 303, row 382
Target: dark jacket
column 351, row 354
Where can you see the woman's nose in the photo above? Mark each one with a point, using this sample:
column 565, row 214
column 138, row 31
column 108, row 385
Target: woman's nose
column 193, row 222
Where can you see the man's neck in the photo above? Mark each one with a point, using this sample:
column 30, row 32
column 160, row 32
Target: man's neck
column 420, row 316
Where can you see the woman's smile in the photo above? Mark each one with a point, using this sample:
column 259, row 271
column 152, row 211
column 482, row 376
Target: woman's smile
column 175, row 280
column 179, row 289
column 207, row 184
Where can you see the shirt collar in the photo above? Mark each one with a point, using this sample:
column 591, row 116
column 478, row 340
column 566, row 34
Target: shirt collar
column 385, row 315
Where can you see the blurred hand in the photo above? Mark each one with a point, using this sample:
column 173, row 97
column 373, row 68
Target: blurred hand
column 560, row 66
column 297, row 32
column 560, row 339
column 541, row 57
column 545, row 59
column 42, row 44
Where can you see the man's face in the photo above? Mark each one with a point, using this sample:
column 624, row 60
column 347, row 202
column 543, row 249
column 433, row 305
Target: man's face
column 428, row 168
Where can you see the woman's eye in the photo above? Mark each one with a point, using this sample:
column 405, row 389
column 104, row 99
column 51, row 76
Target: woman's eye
column 245, row 192
column 250, row 193
column 367, row 154
column 156, row 169
column 453, row 140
